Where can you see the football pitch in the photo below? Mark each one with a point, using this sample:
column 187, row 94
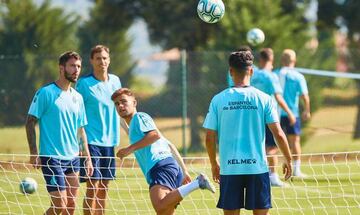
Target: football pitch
column 330, row 188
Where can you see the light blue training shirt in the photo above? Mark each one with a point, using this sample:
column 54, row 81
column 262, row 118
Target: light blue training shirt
column 147, row 157
column 60, row 115
column 294, row 85
column 103, row 128
column 266, row 81
column 239, row 115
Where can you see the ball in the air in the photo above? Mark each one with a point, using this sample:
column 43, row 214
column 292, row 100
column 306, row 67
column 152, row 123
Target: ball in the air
column 210, row 11
column 255, row 36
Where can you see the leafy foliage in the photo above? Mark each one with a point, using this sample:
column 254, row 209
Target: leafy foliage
column 30, row 45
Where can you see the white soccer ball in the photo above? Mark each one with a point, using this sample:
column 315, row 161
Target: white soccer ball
column 255, row 36
column 210, row 11
column 28, row 185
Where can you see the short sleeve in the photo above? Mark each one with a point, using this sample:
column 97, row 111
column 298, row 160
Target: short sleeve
column 39, row 104
column 211, row 121
column 303, row 85
column 146, row 123
column 271, row 114
column 82, row 114
column 80, row 87
column 276, row 84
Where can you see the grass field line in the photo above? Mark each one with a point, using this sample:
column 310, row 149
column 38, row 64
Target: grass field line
column 318, row 191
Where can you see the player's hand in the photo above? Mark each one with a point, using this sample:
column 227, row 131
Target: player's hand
column 187, row 178
column 215, row 169
column 35, row 161
column 292, row 119
column 123, row 152
column 287, row 170
column 89, row 167
column 306, row 115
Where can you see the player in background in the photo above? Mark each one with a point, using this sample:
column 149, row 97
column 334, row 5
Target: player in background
column 103, row 128
column 294, row 86
column 153, row 154
column 266, row 81
column 236, row 121
column 61, row 115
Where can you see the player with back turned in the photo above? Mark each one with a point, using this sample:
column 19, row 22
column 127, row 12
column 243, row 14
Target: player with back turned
column 236, row 120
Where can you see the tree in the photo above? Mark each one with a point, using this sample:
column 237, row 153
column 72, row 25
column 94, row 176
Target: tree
column 347, row 12
column 30, row 45
column 108, row 24
column 180, row 27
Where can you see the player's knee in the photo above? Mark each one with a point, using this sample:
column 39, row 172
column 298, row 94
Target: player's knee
column 59, row 205
column 71, row 203
column 160, row 208
column 103, row 185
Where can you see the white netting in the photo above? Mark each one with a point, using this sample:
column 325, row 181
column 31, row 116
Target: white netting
column 332, row 187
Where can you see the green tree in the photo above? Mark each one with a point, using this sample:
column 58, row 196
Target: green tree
column 32, row 37
column 180, row 27
column 347, row 12
column 108, row 24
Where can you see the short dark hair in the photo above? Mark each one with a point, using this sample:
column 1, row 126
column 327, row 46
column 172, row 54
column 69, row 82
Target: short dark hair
column 244, row 48
column 65, row 57
column 97, row 49
column 122, row 91
column 241, row 60
column 266, row 54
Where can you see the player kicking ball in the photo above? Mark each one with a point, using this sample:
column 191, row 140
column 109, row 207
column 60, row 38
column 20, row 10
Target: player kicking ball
column 154, row 155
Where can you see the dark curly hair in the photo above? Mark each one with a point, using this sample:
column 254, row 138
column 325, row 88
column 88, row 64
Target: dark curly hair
column 241, row 60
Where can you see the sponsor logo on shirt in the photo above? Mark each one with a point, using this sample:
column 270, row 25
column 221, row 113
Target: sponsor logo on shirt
column 236, row 105
column 241, row 161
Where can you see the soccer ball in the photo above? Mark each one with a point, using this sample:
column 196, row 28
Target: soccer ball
column 210, row 11
column 255, row 36
column 28, row 185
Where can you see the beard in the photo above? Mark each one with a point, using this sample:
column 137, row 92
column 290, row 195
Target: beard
column 69, row 77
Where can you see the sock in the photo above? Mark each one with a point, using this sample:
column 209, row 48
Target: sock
column 184, row 190
column 297, row 165
column 272, row 174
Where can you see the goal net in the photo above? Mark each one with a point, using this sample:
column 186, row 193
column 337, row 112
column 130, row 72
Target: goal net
column 332, row 186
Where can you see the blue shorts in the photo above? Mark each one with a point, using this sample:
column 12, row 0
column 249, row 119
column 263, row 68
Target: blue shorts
column 103, row 160
column 166, row 173
column 55, row 170
column 269, row 138
column 245, row 191
column 291, row 129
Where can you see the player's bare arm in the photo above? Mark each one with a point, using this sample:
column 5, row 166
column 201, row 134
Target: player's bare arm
column 31, row 138
column 306, row 113
column 283, row 144
column 85, row 151
column 211, row 139
column 280, row 100
column 148, row 139
column 180, row 161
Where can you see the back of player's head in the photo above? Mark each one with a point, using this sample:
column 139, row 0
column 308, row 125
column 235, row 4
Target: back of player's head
column 122, row 91
column 97, row 49
column 65, row 57
column 244, row 48
column 241, row 60
column 266, row 54
column 288, row 56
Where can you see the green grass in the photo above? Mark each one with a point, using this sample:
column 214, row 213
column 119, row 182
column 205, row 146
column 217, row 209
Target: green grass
column 331, row 131
column 332, row 188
